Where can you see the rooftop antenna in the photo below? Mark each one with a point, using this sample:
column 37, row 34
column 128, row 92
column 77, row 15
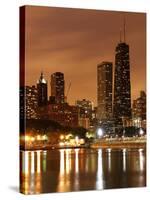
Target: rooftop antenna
column 41, row 73
column 120, row 36
column 68, row 89
column 124, row 29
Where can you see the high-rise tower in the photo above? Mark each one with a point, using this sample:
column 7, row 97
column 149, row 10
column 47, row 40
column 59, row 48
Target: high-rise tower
column 122, row 85
column 57, row 87
column 104, row 90
column 139, row 106
column 42, row 91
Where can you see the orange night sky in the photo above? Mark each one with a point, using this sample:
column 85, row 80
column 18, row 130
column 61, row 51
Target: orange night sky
column 74, row 41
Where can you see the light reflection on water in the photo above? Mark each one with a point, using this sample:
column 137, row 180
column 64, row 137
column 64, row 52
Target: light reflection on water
column 141, row 159
column 32, row 162
column 99, row 177
column 62, row 162
column 109, row 160
column 38, row 161
column 81, row 169
column 124, row 159
column 76, row 161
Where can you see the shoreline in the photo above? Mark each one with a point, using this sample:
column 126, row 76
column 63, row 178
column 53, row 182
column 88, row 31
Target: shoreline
column 118, row 145
column 91, row 146
column 51, row 148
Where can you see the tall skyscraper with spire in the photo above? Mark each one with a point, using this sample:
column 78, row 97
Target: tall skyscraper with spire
column 122, row 85
column 42, row 90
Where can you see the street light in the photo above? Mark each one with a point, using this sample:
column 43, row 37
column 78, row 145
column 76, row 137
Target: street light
column 62, row 137
column 27, row 138
column 100, row 132
column 38, row 137
column 141, row 132
column 77, row 140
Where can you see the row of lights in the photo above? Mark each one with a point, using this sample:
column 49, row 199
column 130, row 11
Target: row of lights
column 67, row 141
column 100, row 133
column 28, row 138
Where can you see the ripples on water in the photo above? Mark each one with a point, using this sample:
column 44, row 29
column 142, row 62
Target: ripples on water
column 67, row 170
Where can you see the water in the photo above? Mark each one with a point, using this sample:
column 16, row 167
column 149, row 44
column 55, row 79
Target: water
column 68, row 170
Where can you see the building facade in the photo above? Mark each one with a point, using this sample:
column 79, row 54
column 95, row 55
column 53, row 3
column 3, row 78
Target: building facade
column 29, row 107
column 64, row 114
column 84, row 122
column 139, row 106
column 57, row 87
column 42, row 91
column 85, row 112
column 22, row 102
column 122, row 85
column 104, row 91
column 85, row 108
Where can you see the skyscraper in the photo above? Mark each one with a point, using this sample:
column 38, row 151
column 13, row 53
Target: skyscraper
column 139, row 106
column 28, row 102
column 104, row 90
column 122, row 86
column 31, row 102
column 85, row 112
column 57, row 87
column 85, row 107
column 42, row 91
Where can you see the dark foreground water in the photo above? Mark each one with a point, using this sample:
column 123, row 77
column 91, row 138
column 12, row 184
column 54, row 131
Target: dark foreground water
column 67, row 170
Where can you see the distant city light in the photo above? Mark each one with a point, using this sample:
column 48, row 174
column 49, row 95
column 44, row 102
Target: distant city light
column 99, row 132
column 82, row 141
column 32, row 139
column 109, row 150
column 141, row 132
column 77, row 138
column 124, row 150
column 61, row 144
column 61, row 137
column 38, row 137
column 44, row 137
column 140, row 150
column 27, row 138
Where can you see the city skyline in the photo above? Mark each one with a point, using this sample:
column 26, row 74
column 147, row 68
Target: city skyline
column 76, row 99
column 78, row 71
column 76, row 49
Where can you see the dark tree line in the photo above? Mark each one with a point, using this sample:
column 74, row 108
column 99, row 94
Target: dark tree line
column 49, row 127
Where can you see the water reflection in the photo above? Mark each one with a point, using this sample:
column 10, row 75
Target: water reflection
column 81, row 169
column 76, row 161
column 44, row 164
column 99, row 177
column 25, row 161
column 124, row 159
column 68, row 161
column 76, row 182
column 32, row 162
column 62, row 162
column 109, row 159
column 141, row 159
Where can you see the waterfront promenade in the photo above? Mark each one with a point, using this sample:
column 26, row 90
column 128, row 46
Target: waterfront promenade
column 114, row 143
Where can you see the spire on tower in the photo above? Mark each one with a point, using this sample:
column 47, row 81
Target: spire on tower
column 41, row 80
column 41, row 77
column 124, row 29
column 123, row 32
column 120, row 36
